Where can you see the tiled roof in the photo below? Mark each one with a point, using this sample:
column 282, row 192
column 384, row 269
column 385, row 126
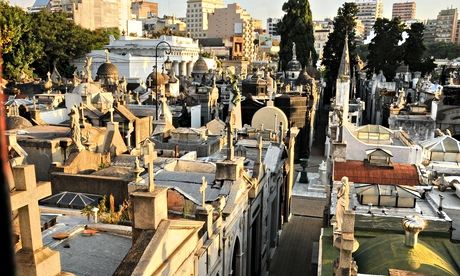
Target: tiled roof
column 359, row 172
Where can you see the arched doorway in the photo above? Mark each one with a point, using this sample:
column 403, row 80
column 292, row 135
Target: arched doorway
column 236, row 260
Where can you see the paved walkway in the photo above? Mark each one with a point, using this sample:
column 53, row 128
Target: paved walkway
column 294, row 253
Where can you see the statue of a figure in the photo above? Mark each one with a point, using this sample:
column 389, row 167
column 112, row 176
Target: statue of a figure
column 235, row 90
column 343, row 202
column 401, row 102
column 123, row 85
column 88, row 63
column 75, row 128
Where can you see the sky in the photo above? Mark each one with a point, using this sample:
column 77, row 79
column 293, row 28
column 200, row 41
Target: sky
column 321, row 9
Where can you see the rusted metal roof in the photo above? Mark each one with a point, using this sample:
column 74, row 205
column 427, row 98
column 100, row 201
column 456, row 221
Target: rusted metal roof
column 360, row 172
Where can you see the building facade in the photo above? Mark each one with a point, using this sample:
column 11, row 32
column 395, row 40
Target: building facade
column 443, row 28
column 233, row 21
column 144, row 9
column 99, row 13
column 322, row 29
column 197, row 15
column 405, row 11
column 368, row 12
column 272, row 25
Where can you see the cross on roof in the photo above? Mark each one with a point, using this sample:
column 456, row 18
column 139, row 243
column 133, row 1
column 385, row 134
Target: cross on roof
column 204, row 185
column 25, row 200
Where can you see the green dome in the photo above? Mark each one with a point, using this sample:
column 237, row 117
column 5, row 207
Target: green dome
column 387, row 251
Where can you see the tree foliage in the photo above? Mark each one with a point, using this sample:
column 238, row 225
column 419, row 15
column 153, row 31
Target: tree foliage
column 443, row 50
column 38, row 41
column 344, row 23
column 297, row 26
column 17, row 41
column 385, row 53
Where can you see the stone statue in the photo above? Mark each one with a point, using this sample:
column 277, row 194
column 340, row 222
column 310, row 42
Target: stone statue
column 343, row 202
column 75, row 128
column 235, row 90
column 123, row 85
column 438, row 133
column 401, row 102
column 88, row 63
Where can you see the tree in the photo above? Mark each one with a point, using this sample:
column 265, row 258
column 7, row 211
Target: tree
column 297, row 26
column 62, row 41
column 344, row 23
column 384, row 52
column 413, row 47
column 18, row 43
column 35, row 42
column 443, row 50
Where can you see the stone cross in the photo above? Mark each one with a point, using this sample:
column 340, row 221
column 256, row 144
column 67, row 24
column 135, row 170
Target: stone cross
column 149, row 82
column 25, row 199
column 111, row 114
column 32, row 258
column 204, row 185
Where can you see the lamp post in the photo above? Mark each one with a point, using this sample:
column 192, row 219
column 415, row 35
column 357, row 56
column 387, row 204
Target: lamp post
column 167, row 65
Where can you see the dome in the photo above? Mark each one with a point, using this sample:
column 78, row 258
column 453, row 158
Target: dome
column 304, row 78
column 200, row 66
column 294, row 65
column 377, row 255
column 17, row 122
column 107, row 70
column 160, row 77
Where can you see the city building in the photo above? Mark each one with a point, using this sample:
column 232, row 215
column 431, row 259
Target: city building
column 368, row 12
column 272, row 25
column 171, row 23
column 197, row 15
column 144, row 9
column 233, row 21
column 322, row 29
column 405, row 11
column 99, row 13
column 135, row 57
column 51, row 5
column 458, row 32
column 443, row 28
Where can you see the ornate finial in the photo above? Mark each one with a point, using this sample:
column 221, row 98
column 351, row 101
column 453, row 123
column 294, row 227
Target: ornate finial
column 204, row 185
column 294, row 54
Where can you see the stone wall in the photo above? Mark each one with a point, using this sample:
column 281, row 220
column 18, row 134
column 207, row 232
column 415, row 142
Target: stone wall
column 91, row 184
column 419, row 127
column 42, row 153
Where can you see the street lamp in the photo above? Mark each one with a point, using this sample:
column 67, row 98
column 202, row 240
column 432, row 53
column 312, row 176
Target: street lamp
column 167, row 66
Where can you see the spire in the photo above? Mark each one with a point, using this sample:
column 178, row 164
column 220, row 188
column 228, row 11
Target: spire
column 344, row 69
column 294, row 54
column 230, row 148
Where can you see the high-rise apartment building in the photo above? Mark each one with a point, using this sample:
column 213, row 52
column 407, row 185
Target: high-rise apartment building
column 90, row 14
column 443, row 28
column 272, row 25
column 233, row 21
column 197, row 15
column 368, row 12
column 405, row 11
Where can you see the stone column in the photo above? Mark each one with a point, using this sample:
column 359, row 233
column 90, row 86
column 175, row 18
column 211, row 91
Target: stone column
column 183, row 69
column 189, row 68
column 175, row 67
